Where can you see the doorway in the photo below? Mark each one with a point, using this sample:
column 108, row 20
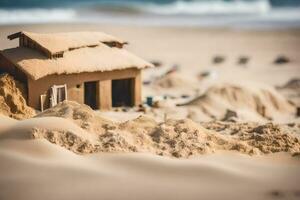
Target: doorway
column 90, row 94
column 122, row 92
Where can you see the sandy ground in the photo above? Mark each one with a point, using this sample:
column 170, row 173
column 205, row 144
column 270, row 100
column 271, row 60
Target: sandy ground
column 38, row 169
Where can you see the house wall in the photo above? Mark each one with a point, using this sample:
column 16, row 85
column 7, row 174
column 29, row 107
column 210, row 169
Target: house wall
column 75, row 93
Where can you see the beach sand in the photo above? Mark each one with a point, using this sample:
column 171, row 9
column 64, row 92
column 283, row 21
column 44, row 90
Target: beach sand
column 218, row 144
column 37, row 169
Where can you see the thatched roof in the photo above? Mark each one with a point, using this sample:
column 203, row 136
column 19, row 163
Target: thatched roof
column 55, row 43
column 89, row 59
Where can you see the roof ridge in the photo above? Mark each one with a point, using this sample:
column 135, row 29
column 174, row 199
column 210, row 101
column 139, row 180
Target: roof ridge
column 55, row 44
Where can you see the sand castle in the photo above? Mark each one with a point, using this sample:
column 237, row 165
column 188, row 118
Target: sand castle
column 88, row 67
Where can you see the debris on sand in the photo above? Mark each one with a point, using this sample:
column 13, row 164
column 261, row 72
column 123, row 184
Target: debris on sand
column 218, row 59
column 204, row 75
column 12, row 102
column 174, row 138
column 243, row 60
column 281, row 60
column 230, row 115
column 157, row 63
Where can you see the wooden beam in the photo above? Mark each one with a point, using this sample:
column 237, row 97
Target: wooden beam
column 14, row 36
column 21, row 41
column 137, row 89
column 32, row 44
column 104, row 95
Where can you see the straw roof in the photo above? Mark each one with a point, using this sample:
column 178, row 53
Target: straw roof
column 61, row 42
column 100, row 58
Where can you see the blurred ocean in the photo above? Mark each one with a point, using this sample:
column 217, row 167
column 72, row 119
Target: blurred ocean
column 228, row 13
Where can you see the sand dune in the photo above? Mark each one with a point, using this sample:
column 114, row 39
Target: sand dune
column 79, row 129
column 291, row 90
column 251, row 103
column 175, row 80
column 42, row 170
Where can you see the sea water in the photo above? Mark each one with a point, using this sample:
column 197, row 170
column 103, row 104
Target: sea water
column 235, row 13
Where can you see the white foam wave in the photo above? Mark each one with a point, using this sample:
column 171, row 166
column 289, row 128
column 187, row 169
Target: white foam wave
column 209, row 7
column 181, row 13
column 18, row 16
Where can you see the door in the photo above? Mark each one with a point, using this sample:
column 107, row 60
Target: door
column 123, row 92
column 90, row 94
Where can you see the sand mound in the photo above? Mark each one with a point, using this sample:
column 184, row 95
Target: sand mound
column 268, row 138
column 174, row 80
column 264, row 102
column 174, row 138
column 184, row 138
column 66, row 139
column 12, row 102
column 292, row 84
column 81, row 114
column 291, row 90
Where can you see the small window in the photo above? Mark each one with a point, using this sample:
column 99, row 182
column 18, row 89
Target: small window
column 78, row 86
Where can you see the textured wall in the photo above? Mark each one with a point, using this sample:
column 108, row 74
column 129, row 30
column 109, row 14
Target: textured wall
column 42, row 86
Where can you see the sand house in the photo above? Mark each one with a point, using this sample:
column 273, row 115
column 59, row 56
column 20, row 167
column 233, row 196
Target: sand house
column 88, row 67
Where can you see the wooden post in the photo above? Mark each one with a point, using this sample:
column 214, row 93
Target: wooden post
column 137, row 89
column 42, row 102
column 21, row 41
column 104, row 95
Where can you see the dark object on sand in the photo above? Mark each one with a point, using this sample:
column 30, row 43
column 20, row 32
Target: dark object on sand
column 277, row 194
column 230, row 115
column 298, row 112
column 143, row 108
column 218, row 59
column 156, row 63
column 204, row 74
column 149, row 101
column 281, row 60
column 243, row 60
column 146, row 82
column 125, row 109
column 185, row 96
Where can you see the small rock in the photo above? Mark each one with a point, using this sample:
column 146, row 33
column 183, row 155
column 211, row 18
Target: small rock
column 230, row 116
column 243, row 60
column 156, row 63
column 281, row 60
column 218, row 59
